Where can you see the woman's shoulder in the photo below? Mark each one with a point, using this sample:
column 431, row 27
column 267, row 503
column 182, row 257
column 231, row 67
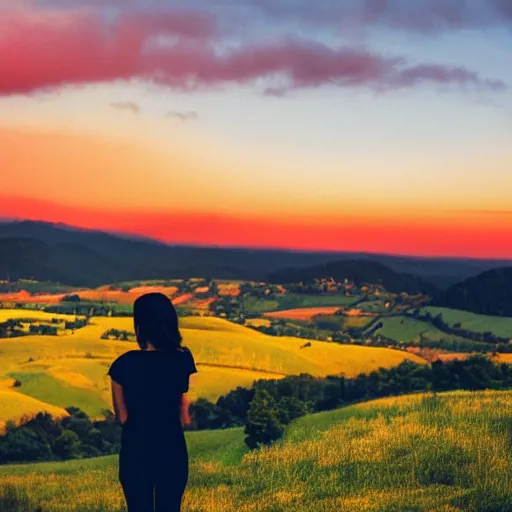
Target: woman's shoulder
column 120, row 367
column 130, row 353
column 185, row 352
column 187, row 360
column 126, row 356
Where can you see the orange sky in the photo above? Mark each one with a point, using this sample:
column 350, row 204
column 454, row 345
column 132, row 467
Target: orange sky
column 391, row 135
column 215, row 196
column 460, row 233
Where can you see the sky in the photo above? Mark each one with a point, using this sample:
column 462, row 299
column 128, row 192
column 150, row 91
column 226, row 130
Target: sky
column 358, row 125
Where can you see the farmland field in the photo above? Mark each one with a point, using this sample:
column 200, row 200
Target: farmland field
column 294, row 301
column 301, row 313
column 257, row 322
column 59, row 392
column 408, row 329
column 422, row 453
column 500, row 326
column 357, row 322
column 70, row 369
column 12, row 314
column 101, row 294
column 16, row 405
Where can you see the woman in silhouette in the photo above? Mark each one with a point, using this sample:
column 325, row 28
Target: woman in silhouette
column 149, row 389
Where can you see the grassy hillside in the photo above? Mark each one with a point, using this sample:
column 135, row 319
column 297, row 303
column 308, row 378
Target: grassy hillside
column 16, row 405
column 294, row 301
column 401, row 328
column 60, row 392
column 500, row 326
column 421, row 453
column 71, row 369
column 12, row 314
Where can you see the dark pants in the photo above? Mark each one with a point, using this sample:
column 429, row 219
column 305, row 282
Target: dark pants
column 153, row 477
column 143, row 495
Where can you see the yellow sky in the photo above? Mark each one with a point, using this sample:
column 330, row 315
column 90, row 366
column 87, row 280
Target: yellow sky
column 188, row 173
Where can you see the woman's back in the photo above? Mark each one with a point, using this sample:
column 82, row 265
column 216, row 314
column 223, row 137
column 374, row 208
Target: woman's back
column 153, row 382
column 149, row 389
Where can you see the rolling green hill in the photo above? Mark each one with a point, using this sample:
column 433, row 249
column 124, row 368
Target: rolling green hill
column 71, row 369
column 410, row 330
column 293, row 301
column 424, row 453
column 500, row 326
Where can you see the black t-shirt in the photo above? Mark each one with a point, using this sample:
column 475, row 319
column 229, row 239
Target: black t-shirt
column 153, row 382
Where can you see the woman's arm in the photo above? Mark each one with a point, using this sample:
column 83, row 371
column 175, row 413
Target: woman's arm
column 118, row 401
column 184, row 416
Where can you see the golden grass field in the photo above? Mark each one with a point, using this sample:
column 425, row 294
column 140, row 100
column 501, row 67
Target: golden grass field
column 17, row 405
column 258, row 322
column 440, row 355
column 8, row 314
column 419, row 453
column 71, row 369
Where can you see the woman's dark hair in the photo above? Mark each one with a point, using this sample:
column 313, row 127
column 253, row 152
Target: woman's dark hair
column 156, row 322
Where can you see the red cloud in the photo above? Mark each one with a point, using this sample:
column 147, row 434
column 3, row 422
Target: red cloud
column 49, row 48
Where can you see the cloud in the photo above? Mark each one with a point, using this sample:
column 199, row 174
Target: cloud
column 504, row 8
column 48, row 48
column 183, row 116
column 41, row 48
column 446, row 74
column 410, row 15
column 126, row 105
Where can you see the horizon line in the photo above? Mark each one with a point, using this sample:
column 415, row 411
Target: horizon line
column 148, row 239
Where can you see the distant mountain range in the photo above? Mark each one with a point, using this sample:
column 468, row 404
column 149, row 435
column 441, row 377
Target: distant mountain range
column 489, row 293
column 78, row 257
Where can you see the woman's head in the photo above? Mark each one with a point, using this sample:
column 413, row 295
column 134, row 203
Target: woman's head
column 156, row 322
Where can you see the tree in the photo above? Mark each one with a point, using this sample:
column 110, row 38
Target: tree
column 46, row 426
column 23, row 444
column 71, row 298
column 95, row 439
column 205, row 414
column 263, row 422
column 290, row 408
column 237, row 402
column 67, row 445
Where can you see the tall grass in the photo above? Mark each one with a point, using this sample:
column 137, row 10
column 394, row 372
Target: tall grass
column 420, row 453
column 13, row 499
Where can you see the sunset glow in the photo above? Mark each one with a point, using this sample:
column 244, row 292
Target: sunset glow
column 173, row 123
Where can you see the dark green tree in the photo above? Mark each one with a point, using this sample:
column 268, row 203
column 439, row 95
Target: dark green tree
column 205, row 414
column 290, row 408
column 67, row 445
column 263, row 422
